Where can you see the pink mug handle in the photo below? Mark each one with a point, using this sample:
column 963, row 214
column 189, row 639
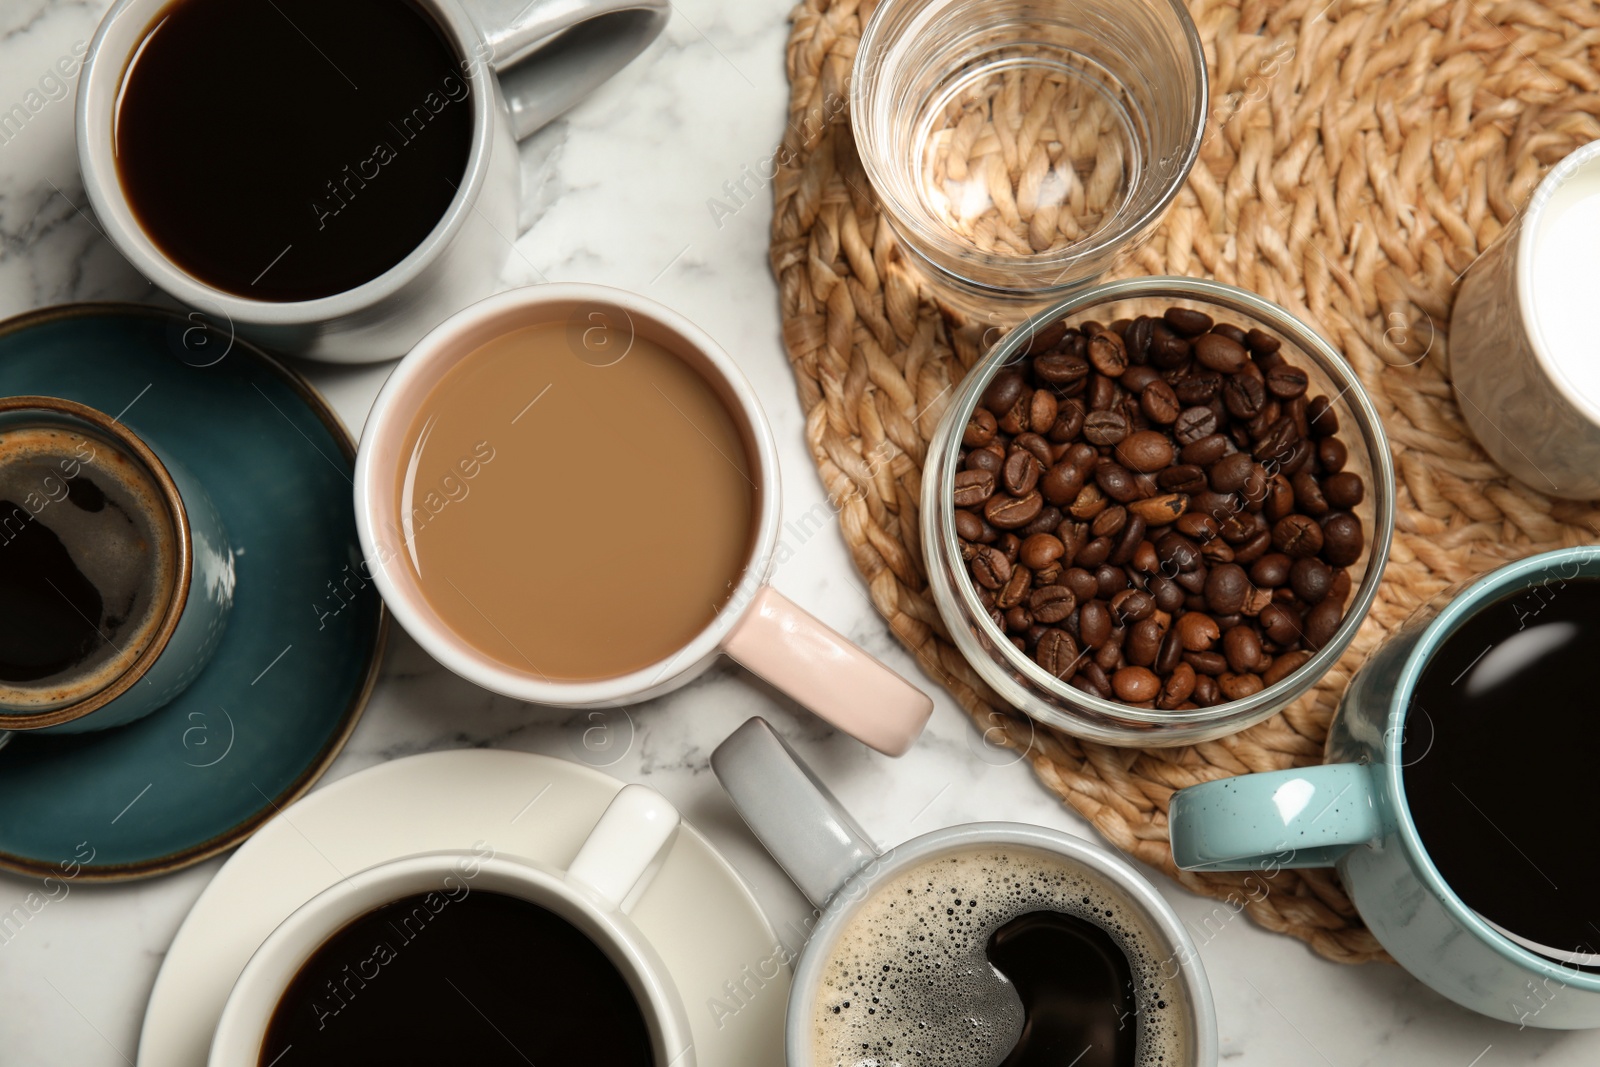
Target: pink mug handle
column 811, row 662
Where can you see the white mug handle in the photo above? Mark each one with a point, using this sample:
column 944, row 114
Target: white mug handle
column 626, row 847
column 580, row 44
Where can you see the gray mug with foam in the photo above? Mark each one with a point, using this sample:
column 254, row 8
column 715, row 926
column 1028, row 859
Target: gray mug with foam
column 841, row 871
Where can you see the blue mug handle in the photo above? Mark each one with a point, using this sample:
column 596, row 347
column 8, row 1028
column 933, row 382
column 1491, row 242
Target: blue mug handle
column 1303, row 817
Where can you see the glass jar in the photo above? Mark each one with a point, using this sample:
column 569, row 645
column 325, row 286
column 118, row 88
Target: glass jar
column 1015, row 676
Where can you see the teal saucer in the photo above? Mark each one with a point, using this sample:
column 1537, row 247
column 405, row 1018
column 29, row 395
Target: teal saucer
column 300, row 654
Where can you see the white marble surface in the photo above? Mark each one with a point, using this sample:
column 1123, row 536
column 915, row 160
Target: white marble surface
column 617, row 193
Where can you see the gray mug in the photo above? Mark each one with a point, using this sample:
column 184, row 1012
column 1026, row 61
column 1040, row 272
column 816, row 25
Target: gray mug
column 837, row 866
column 530, row 62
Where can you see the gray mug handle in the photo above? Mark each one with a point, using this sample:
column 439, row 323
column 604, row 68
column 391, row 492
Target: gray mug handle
column 815, row 841
column 574, row 45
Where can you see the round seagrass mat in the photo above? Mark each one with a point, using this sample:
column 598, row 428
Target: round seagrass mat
column 1359, row 156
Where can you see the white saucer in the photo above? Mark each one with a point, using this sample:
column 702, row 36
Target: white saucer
column 696, row 912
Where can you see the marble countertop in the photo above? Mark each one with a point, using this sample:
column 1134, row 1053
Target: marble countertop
column 649, row 185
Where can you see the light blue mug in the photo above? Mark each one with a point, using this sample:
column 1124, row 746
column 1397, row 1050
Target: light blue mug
column 1351, row 813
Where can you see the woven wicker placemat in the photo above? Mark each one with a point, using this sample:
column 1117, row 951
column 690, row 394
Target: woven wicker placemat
column 1359, row 157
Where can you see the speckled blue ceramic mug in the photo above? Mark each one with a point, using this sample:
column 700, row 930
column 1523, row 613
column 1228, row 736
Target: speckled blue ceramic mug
column 116, row 576
column 1352, row 813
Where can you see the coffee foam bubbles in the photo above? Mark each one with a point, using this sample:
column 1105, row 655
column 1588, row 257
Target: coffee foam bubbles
column 908, row 982
column 112, row 519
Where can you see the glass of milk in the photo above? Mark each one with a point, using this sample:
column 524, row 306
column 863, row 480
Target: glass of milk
column 1525, row 339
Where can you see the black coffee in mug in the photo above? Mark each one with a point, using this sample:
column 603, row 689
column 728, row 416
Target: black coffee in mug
column 433, row 978
column 291, row 149
column 1499, row 762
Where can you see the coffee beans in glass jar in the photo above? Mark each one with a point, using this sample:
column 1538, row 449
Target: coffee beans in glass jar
column 1157, row 510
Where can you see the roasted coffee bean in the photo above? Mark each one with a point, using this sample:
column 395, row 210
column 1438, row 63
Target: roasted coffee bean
column 1321, row 417
column 1044, row 338
column 1094, row 623
column 1138, row 378
column 1197, row 527
column 1143, row 642
column 1137, row 339
column 1311, row 579
column 1227, row 589
column 1045, row 522
column 1132, row 605
column 1110, row 521
column 1308, row 494
column 1184, row 478
column 1261, row 343
column 990, row 568
column 1145, row 560
column 1041, row 550
column 1145, row 451
column 1069, row 421
column 1168, row 594
column 1178, row 686
column 1015, row 418
column 1280, row 625
column 1094, row 553
column 1136, row 685
column 1342, row 539
column 984, row 460
column 1280, row 498
column 1009, row 544
column 1020, row 473
column 1011, row 594
column 1052, row 603
column 1197, row 630
column 1168, row 348
column 968, row 526
column 1160, row 510
column 1321, row 623
column 1116, row 481
column 1244, row 396
column 980, row 429
column 1275, row 445
column 1238, row 686
column 1105, row 427
column 1057, row 653
column 1195, row 423
column 1110, row 580
column 1089, row 502
column 1081, row 581
column 1159, row 403
column 1230, row 331
column 1286, row 381
column 1060, row 368
column 1108, row 355
column 1171, row 652
column 1271, row 571
column 1332, row 454
column 1207, row 663
column 1004, row 391
column 1062, row 483
column 1194, row 581
column 973, row 488
column 1285, row 665
column 1096, row 678
column 1216, row 551
column 1102, row 392
column 1205, row 451
column 1344, row 490
column 1042, row 410
column 1187, row 321
column 1009, row 512
column 1177, row 552
column 1296, row 536
column 1242, row 647
column 1200, row 388
column 1220, row 353
column 1126, row 544
column 1206, row 692
column 1230, row 473
column 1340, row 589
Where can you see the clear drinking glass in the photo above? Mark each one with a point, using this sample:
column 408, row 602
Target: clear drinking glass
column 1016, row 677
column 1018, row 146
